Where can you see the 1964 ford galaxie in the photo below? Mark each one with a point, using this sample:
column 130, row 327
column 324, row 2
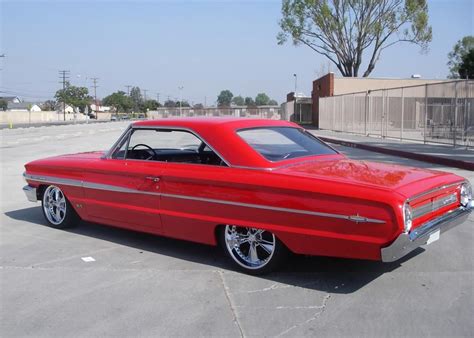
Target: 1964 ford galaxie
column 260, row 188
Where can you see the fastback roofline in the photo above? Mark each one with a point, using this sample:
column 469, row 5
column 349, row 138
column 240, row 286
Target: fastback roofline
column 157, row 125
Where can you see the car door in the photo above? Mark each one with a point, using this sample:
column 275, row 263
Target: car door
column 124, row 192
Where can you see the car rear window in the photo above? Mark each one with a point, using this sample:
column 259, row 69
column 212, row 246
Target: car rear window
column 282, row 143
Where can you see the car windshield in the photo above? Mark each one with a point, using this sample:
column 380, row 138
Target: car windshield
column 282, row 143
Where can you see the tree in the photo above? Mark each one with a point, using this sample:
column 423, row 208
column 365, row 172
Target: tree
column 119, row 100
column 48, row 105
column 3, row 104
column 460, row 49
column 466, row 68
column 272, row 103
column 249, row 102
column 198, row 106
column 74, row 96
column 170, row 103
column 262, row 99
column 150, row 105
column 345, row 31
column 225, row 98
column 183, row 104
column 238, row 101
column 136, row 97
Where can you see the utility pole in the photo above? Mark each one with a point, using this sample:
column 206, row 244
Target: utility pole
column 158, row 97
column 94, row 79
column 64, row 76
column 128, row 89
column 144, row 94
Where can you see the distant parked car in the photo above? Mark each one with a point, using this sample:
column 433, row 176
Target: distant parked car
column 260, row 188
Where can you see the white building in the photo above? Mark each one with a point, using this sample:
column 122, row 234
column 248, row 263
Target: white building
column 100, row 109
column 23, row 106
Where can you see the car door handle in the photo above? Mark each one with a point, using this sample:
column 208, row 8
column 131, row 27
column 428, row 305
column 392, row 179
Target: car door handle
column 153, row 178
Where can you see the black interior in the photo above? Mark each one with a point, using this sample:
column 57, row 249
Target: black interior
column 200, row 156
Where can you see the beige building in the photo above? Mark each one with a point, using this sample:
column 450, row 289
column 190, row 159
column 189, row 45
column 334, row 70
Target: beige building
column 330, row 85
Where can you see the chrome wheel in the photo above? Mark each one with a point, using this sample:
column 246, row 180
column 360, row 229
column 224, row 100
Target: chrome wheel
column 249, row 247
column 54, row 205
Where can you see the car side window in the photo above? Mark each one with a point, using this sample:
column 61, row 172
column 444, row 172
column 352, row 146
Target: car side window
column 167, row 145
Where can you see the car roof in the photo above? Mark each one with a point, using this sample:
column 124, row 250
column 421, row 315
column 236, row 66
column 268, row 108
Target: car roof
column 199, row 122
column 220, row 134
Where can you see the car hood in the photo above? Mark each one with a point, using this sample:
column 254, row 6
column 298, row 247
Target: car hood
column 72, row 161
column 405, row 180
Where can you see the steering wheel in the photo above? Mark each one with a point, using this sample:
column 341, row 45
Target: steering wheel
column 200, row 151
column 148, row 147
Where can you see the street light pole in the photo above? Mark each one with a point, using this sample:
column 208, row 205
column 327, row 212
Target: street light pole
column 296, row 83
column 295, row 97
column 180, row 99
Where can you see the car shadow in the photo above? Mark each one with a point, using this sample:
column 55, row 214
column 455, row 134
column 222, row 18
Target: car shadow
column 335, row 275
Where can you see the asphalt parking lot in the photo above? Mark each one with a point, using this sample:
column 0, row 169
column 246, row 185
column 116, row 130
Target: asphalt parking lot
column 143, row 285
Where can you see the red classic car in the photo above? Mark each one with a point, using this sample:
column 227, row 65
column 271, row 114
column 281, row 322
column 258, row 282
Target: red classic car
column 260, row 188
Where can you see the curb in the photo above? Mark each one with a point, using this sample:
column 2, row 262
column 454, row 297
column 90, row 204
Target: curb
column 420, row 157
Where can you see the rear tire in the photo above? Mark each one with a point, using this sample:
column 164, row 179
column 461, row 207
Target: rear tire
column 57, row 210
column 254, row 251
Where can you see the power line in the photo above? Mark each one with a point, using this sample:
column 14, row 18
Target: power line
column 64, row 76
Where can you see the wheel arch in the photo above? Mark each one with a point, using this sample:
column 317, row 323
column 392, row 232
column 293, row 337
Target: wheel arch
column 40, row 191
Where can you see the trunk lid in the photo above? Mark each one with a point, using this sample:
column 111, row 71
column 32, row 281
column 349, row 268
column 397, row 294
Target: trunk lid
column 430, row 193
column 407, row 181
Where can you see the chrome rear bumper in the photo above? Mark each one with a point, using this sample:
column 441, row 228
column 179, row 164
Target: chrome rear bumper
column 405, row 243
column 30, row 193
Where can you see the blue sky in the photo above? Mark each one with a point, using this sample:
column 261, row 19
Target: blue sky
column 205, row 46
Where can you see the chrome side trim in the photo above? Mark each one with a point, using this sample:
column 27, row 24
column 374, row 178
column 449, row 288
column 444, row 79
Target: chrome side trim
column 267, row 207
column 114, row 188
column 406, row 243
column 54, row 180
column 90, row 185
column 83, row 184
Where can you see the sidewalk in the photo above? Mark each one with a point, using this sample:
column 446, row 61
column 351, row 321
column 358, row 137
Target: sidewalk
column 447, row 155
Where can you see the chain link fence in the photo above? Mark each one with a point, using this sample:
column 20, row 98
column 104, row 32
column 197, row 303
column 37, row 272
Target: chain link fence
column 264, row 112
column 432, row 113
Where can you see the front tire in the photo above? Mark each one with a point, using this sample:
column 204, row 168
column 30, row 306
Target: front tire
column 254, row 251
column 57, row 210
